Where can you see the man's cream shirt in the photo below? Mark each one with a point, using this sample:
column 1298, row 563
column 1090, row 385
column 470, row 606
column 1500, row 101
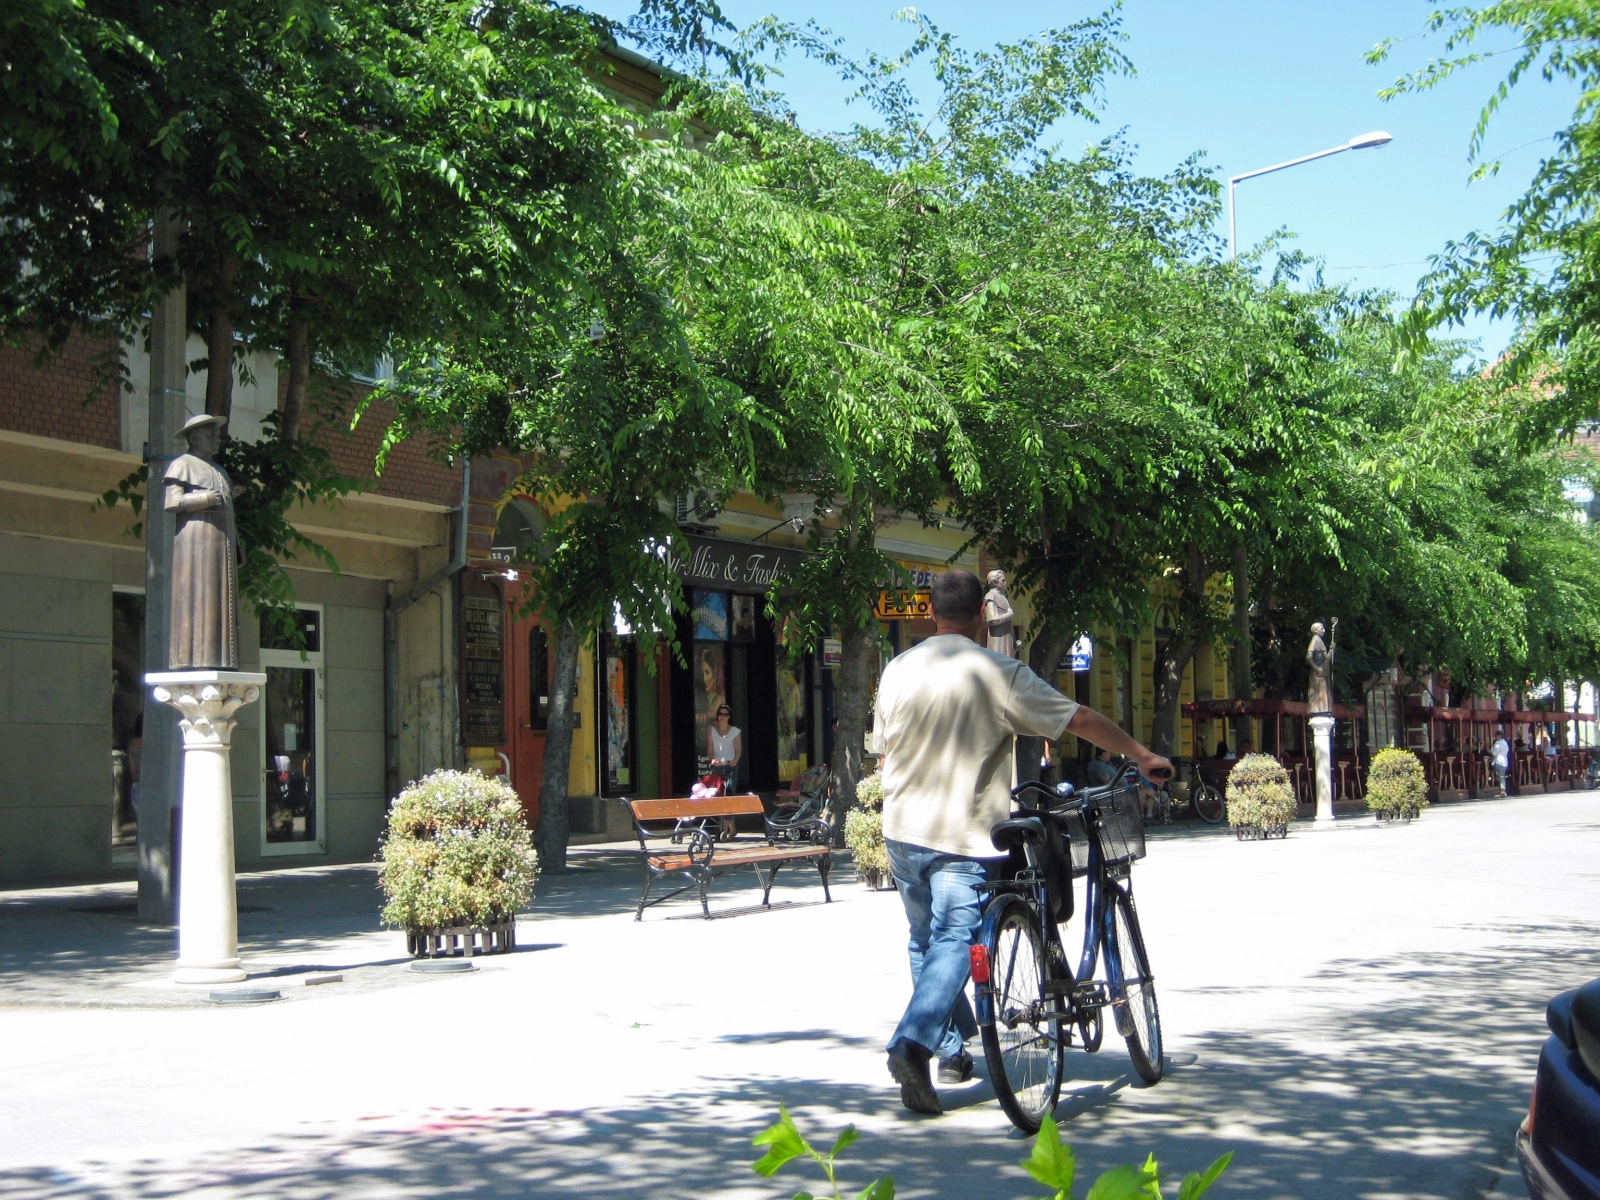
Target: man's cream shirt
column 946, row 714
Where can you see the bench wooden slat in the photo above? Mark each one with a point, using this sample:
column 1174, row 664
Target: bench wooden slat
column 708, row 806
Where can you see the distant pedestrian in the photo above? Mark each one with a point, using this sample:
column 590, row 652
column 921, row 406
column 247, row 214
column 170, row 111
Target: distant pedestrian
column 1101, row 769
column 1500, row 756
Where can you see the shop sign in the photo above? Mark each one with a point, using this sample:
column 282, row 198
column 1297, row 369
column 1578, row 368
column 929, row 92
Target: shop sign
column 832, row 652
column 716, row 563
column 482, row 665
column 903, row 606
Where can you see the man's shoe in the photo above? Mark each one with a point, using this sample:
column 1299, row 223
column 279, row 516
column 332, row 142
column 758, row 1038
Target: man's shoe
column 956, row 1069
column 908, row 1063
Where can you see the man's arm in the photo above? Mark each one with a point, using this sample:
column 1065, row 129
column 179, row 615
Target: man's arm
column 1093, row 728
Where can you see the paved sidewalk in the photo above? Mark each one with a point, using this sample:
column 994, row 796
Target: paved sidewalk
column 1356, row 1013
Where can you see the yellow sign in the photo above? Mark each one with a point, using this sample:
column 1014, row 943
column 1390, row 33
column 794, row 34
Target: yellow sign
column 903, row 606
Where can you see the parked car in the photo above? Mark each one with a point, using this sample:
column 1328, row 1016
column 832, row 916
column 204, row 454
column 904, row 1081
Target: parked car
column 1559, row 1142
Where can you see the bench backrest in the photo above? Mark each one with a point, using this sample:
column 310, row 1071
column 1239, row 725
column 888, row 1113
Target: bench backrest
column 709, row 806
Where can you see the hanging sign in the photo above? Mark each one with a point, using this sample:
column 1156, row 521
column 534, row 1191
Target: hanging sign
column 482, row 665
column 716, row 563
column 832, row 652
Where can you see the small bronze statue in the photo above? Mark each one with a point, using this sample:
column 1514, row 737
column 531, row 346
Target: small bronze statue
column 1319, row 695
column 205, row 553
column 998, row 613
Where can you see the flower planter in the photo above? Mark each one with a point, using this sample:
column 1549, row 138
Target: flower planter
column 465, row 940
column 1260, row 801
column 1261, row 832
column 1397, row 787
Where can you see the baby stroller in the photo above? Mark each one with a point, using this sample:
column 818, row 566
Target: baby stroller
column 797, row 811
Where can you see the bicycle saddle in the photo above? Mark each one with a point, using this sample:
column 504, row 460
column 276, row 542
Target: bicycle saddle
column 1018, row 831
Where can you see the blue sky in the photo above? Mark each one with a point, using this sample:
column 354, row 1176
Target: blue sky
column 1252, row 83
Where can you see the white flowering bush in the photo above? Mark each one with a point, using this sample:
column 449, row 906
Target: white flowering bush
column 457, row 852
column 863, row 832
column 1396, row 784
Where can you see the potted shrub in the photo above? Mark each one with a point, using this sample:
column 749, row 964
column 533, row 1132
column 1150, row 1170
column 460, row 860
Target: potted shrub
column 458, row 862
column 863, row 833
column 1397, row 788
column 1260, row 801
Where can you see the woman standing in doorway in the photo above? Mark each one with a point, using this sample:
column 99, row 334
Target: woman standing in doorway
column 725, row 747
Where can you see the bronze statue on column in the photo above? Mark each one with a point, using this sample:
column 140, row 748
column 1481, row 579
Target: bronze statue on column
column 1319, row 693
column 205, row 553
column 998, row 613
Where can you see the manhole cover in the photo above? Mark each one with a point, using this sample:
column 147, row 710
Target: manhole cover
column 246, row 996
column 443, row 965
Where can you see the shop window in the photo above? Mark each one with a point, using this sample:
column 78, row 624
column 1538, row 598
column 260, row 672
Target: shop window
column 293, row 809
column 538, row 679
column 618, row 716
column 794, row 724
column 127, row 719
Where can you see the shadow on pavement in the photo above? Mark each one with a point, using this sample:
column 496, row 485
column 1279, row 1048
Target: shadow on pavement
column 1413, row 1095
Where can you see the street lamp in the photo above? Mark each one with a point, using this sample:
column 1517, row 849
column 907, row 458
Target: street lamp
column 1366, row 141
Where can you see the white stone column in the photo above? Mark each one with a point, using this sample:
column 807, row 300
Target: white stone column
column 208, row 909
column 1322, row 738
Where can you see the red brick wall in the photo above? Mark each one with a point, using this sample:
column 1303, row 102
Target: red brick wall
column 409, row 473
column 48, row 401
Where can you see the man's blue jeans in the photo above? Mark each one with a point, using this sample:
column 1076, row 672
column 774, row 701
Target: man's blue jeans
column 943, row 906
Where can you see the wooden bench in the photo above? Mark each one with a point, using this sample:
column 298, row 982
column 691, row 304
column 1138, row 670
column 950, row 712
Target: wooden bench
column 700, row 859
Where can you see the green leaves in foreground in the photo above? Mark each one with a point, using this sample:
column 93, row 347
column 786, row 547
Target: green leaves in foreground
column 1052, row 1163
column 785, row 1144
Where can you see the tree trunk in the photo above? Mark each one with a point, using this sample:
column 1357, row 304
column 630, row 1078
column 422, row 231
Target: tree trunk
column 219, row 347
column 554, row 824
column 298, row 352
column 1169, row 667
column 852, row 686
column 1242, row 683
column 1044, row 654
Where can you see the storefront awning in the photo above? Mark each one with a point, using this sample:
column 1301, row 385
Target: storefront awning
column 1255, row 707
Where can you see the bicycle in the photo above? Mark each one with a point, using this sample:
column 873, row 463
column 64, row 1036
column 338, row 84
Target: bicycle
column 1029, row 999
column 1205, row 800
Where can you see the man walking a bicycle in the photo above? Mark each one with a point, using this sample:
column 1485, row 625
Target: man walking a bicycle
column 946, row 715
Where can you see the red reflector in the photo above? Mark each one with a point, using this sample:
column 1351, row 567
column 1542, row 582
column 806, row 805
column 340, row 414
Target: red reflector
column 980, row 963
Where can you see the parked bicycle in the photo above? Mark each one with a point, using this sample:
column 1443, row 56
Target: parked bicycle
column 1029, row 998
column 1203, row 799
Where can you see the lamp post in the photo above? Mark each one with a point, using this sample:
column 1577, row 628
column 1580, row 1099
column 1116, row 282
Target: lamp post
column 1241, row 586
column 1366, row 141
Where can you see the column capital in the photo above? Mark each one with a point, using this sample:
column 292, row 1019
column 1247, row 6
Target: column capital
column 206, row 701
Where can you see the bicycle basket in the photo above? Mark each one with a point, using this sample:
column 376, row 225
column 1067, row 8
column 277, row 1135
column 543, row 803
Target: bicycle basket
column 1122, row 826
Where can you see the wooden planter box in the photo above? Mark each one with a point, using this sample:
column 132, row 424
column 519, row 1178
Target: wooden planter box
column 465, row 940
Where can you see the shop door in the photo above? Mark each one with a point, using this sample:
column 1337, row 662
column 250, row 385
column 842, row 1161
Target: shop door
column 530, row 711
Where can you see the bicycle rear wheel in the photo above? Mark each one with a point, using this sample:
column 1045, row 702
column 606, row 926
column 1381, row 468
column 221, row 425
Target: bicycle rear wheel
column 1133, row 990
column 1024, row 1044
column 1208, row 803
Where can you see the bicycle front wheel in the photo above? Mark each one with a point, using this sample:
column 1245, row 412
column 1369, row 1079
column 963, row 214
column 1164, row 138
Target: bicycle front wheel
column 1024, row 1044
column 1208, row 803
column 1133, row 991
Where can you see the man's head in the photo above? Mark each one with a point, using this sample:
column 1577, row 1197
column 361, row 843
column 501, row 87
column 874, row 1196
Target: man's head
column 997, row 579
column 958, row 603
column 1101, row 753
column 1318, row 629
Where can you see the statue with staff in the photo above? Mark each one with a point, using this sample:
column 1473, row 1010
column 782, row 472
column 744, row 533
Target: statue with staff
column 1319, row 695
column 205, row 553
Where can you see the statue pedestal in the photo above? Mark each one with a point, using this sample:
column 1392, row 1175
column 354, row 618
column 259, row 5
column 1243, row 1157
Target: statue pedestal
column 208, row 910
column 1322, row 739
